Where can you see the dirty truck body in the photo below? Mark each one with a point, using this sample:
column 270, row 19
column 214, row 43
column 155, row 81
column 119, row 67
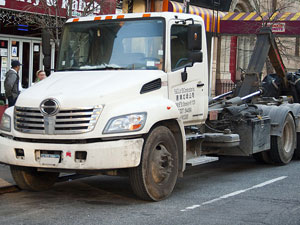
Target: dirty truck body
column 130, row 96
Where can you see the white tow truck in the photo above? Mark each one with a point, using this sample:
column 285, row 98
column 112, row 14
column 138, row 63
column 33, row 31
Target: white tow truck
column 130, row 94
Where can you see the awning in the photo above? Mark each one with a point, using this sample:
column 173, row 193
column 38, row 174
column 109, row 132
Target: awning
column 251, row 22
column 211, row 18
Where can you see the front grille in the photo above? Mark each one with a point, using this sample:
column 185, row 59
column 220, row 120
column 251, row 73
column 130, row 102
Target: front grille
column 66, row 121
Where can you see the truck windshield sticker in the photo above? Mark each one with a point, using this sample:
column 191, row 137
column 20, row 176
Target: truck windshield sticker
column 150, row 63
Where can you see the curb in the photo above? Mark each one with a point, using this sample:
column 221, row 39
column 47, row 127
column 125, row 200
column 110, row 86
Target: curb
column 6, row 187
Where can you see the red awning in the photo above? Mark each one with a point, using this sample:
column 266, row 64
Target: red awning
column 211, row 18
column 46, row 7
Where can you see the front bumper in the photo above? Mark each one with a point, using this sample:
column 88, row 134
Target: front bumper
column 100, row 155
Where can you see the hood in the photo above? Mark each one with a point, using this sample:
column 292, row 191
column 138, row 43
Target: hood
column 87, row 88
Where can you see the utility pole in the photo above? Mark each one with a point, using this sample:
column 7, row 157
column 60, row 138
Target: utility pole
column 70, row 9
column 186, row 4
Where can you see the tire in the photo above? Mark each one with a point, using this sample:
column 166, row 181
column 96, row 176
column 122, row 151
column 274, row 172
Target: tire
column 154, row 179
column 297, row 150
column 263, row 157
column 282, row 148
column 28, row 178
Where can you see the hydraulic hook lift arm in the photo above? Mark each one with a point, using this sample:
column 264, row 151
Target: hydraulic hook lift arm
column 265, row 46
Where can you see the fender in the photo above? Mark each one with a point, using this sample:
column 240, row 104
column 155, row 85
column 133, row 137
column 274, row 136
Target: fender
column 295, row 109
column 159, row 110
column 183, row 161
column 277, row 116
column 177, row 127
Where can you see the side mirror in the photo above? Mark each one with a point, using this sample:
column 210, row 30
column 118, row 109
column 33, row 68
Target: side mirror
column 196, row 56
column 194, row 42
column 194, row 37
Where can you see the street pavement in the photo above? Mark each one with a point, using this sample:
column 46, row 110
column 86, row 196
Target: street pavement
column 232, row 191
column 5, row 174
column 7, row 183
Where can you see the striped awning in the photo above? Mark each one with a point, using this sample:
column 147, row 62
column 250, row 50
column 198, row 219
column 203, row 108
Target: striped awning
column 253, row 16
column 250, row 22
column 211, row 18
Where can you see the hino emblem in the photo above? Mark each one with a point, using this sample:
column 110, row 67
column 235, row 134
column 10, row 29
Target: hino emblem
column 49, row 107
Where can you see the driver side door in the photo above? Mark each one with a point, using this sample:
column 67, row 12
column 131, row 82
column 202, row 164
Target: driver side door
column 190, row 96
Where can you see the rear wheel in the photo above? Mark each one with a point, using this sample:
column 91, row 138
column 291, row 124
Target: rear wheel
column 155, row 177
column 282, row 148
column 28, row 178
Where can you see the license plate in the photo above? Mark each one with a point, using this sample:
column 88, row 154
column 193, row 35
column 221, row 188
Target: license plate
column 49, row 159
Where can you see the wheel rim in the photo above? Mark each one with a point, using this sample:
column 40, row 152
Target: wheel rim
column 287, row 138
column 161, row 164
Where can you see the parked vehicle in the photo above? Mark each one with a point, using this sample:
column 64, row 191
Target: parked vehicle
column 130, row 95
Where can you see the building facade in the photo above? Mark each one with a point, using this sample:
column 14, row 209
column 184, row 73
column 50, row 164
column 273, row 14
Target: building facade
column 230, row 55
column 21, row 23
column 234, row 52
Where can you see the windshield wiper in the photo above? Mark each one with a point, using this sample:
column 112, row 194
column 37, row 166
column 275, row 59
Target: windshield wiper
column 103, row 67
column 69, row 69
column 112, row 68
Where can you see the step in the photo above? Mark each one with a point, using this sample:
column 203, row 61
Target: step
column 201, row 160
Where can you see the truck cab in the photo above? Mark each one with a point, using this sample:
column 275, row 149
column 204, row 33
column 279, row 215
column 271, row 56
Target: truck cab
column 124, row 89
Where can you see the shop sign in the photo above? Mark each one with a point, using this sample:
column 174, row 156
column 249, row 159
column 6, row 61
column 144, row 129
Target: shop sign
column 44, row 6
column 277, row 27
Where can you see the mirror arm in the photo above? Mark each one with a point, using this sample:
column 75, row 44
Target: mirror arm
column 184, row 73
column 190, row 19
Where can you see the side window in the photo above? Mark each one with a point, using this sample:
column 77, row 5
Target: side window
column 179, row 47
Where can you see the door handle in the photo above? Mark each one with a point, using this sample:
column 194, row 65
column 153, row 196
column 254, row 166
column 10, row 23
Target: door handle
column 200, row 84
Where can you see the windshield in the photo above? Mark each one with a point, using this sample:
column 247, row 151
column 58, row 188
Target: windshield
column 99, row 45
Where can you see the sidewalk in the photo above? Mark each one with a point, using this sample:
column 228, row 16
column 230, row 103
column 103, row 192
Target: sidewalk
column 7, row 183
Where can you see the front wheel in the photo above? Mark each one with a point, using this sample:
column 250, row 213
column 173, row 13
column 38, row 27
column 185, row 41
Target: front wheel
column 155, row 177
column 28, row 178
column 282, row 148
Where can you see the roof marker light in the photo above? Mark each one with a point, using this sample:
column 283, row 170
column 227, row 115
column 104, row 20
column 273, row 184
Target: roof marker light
column 120, row 16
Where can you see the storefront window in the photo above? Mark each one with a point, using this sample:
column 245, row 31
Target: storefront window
column 15, row 50
column 25, row 62
column 36, row 60
column 3, row 61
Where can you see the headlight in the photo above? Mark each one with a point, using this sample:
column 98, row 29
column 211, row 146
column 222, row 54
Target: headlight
column 126, row 123
column 5, row 123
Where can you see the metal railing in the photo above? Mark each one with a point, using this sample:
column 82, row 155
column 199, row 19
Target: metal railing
column 224, row 86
